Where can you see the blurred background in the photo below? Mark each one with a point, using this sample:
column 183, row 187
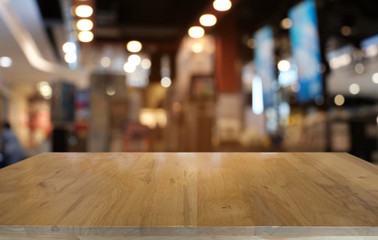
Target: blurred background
column 190, row 75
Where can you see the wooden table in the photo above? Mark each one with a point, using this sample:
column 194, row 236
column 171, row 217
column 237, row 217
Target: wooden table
column 189, row 196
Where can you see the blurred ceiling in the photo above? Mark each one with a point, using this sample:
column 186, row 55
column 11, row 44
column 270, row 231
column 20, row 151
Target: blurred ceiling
column 165, row 22
column 159, row 22
column 21, row 70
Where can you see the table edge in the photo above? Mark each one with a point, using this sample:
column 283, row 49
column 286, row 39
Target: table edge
column 187, row 231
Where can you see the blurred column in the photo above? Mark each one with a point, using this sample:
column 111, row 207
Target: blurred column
column 228, row 113
column 226, row 55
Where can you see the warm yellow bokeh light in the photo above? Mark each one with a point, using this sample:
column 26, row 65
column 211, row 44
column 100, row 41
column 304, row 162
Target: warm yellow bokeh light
column 84, row 25
column 70, row 57
column 146, row 63
column 208, row 20
column 84, row 11
column 105, row 61
column 69, row 47
column 134, row 59
column 222, row 5
column 45, row 89
column 374, row 78
column 354, row 88
column 85, row 36
column 166, row 82
column 286, row 23
column 197, row 47
column 134, row 46
column 129, row 67
column 284, row 65
column 339, row 100
column 196, row 32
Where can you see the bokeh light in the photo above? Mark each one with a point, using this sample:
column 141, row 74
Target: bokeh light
column 283, row 65
column 70, row 57
column 69, row 47
column 166, row 82
column 339, row 100
column 208, row 20
column 354, row 88
column 196, row 32
column 134, row 46
column 134, row 59
column 84, row 11
column 129, row 67
column 105, row 61
column 146, row 63
column 374, row 78
column 84, row 25
column 45, row 89
column 222, row 5
column 197, row 47
column 286, row 23
column 85, row 36
column 5, row 62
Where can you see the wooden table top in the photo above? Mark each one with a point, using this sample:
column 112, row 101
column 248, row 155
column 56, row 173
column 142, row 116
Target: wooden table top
column 190, row 190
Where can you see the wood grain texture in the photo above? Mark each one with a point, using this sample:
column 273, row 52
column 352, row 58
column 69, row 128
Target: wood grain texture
column 187, row 194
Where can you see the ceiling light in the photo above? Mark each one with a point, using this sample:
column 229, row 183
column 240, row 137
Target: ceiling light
column 339, row 100
column 69, row 47
column 283, row 65
column 354, row 88
column 134, row 46
column 84, row 25
column 5, row 62
column 208, row 20
column 196, row 32
column 197, row 47
column 105, row 61
column 85, row 36
column 222, row 5
column 129, row 67
column 134, row 59
column 374, row 78
column 286, row 23
column 146, row 63
column 84, row 11
column 166, row 82
column 70, row 57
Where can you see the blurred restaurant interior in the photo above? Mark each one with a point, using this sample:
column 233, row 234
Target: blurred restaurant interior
column 191, row 75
